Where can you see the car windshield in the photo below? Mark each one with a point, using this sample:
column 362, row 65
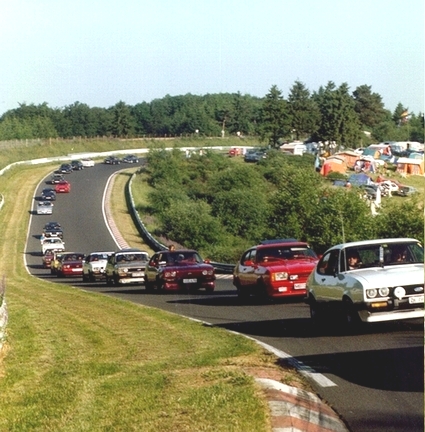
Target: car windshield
column 383, row 254
column 183, row 257
column 285, row 252
column 128, row 257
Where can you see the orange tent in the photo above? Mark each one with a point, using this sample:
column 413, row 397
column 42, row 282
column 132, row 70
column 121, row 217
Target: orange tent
column 410, row 166
column 333, row 164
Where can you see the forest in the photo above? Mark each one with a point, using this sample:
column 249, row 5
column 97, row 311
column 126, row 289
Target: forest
column 332, row 113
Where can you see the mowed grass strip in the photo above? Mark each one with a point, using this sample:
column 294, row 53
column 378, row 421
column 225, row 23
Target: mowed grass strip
column 78, row 361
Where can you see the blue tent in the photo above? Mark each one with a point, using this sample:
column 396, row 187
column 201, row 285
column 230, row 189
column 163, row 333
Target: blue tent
column 359, row 179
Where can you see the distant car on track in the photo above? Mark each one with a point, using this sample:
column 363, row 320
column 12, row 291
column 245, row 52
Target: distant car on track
column 130, row 159
column 44, row 208
column 94, row 266
column 53, row 243
column 126, row 266
column 77, row 165
column 112, row 160
column 65, row 168
column 56, row 178
column 87, row 162
column 63, row 187
column 48, row 194
column 52, row 229
column 71, row 264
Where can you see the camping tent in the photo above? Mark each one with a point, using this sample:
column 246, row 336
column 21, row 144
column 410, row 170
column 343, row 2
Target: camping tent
column 359, row 179
column 410, row 166
column 350, row 157
column 333, row 164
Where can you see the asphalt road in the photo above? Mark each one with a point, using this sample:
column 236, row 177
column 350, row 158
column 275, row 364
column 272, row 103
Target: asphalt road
column 374, row 379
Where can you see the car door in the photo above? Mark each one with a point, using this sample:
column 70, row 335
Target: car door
column 246, row 268
column 326, row 277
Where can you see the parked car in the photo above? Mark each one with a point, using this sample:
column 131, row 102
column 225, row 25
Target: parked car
column 94, row 266
column 386, row 284
column 130, row 159
column 63, row 186
column 274, row 269
column 52, row 229
column 254, row 155
column 65, row 168
column 77, row 165
column 44, row 208
column 126, row 266
column 70, row 264
column 112, row 160
column 53, row 243
column 48, row 194
column 179, row 270
column 87, row 162
column 406, row 191
column 56, row 178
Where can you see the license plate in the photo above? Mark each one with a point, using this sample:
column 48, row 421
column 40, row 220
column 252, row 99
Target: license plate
column 299, row 286
column 137, row 274
column 190, row 281
column 416, row 299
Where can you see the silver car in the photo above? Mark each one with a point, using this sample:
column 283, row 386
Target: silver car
column 44, row 208
column 369, row 281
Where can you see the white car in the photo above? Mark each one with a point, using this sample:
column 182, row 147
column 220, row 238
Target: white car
column 44, row 208
column 52, row 243
column 94, row 266
column 87, row 162
column 386, row 283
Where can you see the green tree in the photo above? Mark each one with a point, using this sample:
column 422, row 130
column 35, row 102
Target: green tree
column 303, row 111
column 368, row 106
column 123, row 124
column 275, row 122
column 339, row 120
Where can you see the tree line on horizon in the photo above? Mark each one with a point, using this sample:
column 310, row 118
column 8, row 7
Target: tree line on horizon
column 331, row 114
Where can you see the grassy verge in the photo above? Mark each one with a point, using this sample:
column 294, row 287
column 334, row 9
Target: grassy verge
column 77, row 361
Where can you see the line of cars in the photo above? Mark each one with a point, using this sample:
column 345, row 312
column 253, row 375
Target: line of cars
column 114, row 160
column 386, row 284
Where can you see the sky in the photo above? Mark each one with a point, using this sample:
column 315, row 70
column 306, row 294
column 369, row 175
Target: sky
column 101, row 52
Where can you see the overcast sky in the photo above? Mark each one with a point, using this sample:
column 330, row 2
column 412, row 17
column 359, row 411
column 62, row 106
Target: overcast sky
column 100, row 52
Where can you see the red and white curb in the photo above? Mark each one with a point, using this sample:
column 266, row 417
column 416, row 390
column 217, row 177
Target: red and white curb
column 296, row 410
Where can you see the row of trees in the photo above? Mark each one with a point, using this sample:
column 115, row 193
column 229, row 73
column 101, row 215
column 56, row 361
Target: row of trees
column 222, row 205
column 329, row 114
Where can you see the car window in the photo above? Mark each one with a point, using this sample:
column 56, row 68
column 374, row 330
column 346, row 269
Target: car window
column 328, row 265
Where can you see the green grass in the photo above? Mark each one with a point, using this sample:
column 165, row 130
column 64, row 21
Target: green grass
column 78, row 361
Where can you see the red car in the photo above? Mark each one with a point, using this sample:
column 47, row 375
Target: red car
column 47, row 258
column 275, row 269
column 63, row 187
column 71, row 264
column 179, row 270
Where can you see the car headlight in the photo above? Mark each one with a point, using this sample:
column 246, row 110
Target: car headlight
column 371, row 293
column 384, row 291
column 170, row 274
column 279, row 276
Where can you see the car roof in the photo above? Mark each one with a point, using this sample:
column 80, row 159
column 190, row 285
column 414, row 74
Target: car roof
column 374, row 242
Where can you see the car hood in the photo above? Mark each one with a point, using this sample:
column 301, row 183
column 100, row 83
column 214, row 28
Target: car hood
column 405, row 274
column 187, row 266
column 132, row 264
column 292, row 266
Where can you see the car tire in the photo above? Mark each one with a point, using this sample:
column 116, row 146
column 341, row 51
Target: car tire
column 109, row 281
column 316, row 312
column 85, row 278
column 148, row 285
column 350, row 317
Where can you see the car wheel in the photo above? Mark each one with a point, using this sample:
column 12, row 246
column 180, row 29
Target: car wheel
column 350, row 317
column 315, row 311
column 92, row 277
column 85, row 278
column 116, row 280
column 148, row 285
column 109, row 281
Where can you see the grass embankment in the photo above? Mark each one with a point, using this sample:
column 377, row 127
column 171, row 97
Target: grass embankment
column 77, row 361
